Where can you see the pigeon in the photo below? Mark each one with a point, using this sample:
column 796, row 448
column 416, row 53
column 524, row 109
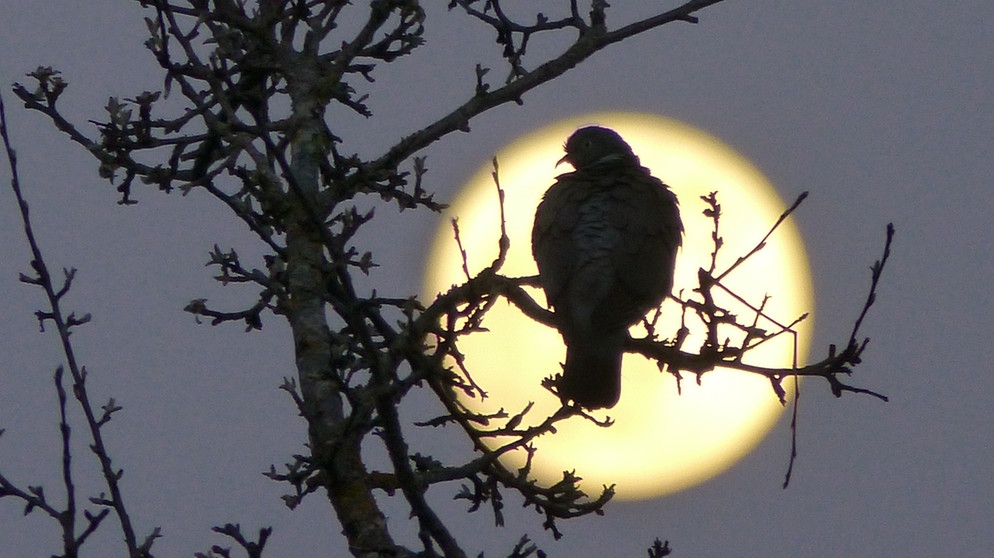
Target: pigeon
column 605, row 240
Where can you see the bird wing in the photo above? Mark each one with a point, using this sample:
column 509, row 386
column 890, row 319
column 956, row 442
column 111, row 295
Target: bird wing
column 553, row 245
column 649, row 219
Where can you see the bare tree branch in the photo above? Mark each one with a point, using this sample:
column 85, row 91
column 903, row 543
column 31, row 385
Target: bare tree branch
column 64, row 326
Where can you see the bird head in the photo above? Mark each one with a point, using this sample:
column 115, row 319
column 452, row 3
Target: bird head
column 593, row 145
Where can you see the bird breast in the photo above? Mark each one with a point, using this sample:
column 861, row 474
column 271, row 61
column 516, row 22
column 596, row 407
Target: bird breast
column 605, row 245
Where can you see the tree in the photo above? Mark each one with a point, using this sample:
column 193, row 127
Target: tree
column 254, row 127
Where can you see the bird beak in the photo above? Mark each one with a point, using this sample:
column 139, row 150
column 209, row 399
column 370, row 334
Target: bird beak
column 565, row 159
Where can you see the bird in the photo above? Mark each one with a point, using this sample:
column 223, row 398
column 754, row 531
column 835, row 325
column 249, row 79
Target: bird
column 605, row 240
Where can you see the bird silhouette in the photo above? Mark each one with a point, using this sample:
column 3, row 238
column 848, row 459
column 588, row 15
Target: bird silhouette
column 605, row 240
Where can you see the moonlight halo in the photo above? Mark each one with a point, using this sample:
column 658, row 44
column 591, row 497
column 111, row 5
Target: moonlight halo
column 661, row 442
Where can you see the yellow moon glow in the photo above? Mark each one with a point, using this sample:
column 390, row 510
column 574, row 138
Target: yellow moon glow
column 661, row 441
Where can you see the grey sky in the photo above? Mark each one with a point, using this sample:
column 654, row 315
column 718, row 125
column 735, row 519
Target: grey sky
column 884, row 111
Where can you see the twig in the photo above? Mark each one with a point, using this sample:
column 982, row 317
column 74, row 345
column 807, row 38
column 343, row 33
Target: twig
column 43, row 279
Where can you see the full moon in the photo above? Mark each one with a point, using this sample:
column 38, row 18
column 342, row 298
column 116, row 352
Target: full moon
column 663, row 439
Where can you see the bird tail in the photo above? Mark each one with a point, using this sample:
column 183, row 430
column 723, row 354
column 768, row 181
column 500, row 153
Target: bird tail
column 592, row 373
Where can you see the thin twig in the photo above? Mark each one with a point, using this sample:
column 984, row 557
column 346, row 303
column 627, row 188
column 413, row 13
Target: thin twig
column 43, row 279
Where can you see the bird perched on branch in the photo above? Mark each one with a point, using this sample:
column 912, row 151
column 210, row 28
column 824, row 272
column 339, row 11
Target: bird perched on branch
column 605, row 240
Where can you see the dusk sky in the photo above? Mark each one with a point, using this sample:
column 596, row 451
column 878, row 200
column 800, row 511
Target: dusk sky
column 883, row 111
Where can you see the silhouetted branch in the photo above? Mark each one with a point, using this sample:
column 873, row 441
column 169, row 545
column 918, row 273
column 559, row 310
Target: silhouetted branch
column 253, row 549
column 589, row 41
column 659, row 549
column 64, row 326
